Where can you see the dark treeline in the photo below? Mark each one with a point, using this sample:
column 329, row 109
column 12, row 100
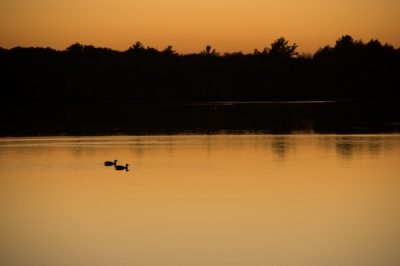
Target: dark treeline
column 350, row 69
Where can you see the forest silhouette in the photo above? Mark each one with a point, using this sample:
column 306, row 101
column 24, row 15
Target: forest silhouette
column 350, row 69
column 85, row 90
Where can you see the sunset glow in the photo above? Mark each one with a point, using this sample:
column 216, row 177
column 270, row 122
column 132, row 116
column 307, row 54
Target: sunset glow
column 189, row 26
column 203, row 200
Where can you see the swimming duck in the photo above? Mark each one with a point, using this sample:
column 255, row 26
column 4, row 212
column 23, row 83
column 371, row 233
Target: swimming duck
column 109, row 163
column 121, row 167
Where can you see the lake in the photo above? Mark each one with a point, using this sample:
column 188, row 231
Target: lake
column 300, row 199
column 91, row 118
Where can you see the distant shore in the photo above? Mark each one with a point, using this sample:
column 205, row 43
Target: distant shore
column 86, row 90
column 351, row 69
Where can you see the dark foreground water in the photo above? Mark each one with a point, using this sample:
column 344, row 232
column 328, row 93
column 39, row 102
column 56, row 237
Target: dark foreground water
column 197, row 200
column 25, row 118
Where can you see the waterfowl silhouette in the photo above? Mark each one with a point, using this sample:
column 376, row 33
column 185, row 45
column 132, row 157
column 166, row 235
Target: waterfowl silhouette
column 109, row 163
column 121, row 167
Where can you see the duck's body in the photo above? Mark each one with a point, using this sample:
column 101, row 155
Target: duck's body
column 109, row 163
column 121, row 167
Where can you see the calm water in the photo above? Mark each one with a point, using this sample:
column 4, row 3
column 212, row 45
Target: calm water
column 91, row 118
column 201, row 200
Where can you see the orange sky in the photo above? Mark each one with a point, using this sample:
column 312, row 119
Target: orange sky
column 190, row 25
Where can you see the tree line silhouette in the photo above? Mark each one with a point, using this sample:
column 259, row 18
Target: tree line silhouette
column 349, row 69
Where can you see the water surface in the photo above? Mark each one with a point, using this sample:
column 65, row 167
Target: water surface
column 91, row 118
column 201, row 200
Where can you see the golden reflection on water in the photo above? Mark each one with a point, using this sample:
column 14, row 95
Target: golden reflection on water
column 201, row 200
